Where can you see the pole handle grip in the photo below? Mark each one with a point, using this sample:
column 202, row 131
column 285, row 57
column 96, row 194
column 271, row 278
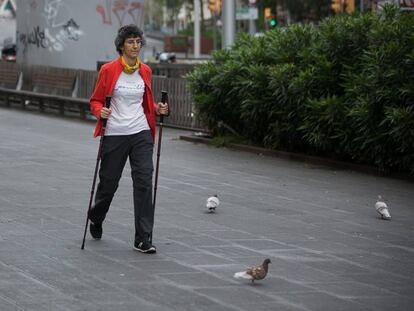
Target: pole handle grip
column 107, row 105
column 164, row 99
column 108, row 101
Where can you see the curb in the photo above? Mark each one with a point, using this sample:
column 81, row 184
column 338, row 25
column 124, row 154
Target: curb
column 305, row 158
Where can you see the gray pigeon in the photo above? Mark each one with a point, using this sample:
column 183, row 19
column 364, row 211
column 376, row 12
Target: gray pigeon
column 212, row 203
column 382, row 209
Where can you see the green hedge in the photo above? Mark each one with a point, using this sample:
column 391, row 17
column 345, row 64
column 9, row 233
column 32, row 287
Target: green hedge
column 343, row 89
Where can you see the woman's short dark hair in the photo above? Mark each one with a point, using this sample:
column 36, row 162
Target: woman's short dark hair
column 125, row 32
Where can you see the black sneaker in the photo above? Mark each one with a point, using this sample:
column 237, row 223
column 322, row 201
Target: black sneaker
column 145, row 247
column 96, row 230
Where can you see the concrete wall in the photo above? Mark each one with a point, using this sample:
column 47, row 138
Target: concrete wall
column 72, row 33
column 7, row 30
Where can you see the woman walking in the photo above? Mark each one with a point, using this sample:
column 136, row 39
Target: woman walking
column 129, row 134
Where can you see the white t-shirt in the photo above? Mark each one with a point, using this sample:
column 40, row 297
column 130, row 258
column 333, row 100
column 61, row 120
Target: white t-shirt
column 127, row 115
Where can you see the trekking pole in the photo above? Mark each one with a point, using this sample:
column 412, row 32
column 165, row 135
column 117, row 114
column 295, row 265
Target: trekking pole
column 164, row 99
column 98, row 159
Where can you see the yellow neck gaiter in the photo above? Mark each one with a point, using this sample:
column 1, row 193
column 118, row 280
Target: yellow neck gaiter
column 130, row 69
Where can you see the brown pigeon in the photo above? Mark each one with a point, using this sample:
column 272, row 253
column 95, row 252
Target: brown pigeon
column 254, row 273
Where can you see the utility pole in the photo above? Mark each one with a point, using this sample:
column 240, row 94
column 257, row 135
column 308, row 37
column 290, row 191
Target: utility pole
column 229, row 22
column 361, row 5
column 196, row 29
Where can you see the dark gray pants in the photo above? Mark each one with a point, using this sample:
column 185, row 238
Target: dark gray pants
column 116, row 149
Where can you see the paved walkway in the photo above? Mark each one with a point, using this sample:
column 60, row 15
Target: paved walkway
column 329, row 250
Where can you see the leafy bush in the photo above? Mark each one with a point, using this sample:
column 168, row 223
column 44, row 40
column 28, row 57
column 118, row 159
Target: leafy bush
column 343, row 89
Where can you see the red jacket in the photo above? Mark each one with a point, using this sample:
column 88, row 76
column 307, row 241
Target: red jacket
column 108, row 75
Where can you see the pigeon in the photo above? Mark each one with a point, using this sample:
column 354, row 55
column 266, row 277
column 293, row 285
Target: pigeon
column 254, row 273
column 212, row 203
column 382, row 209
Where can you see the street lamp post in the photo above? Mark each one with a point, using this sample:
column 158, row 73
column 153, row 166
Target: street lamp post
column 229, row 22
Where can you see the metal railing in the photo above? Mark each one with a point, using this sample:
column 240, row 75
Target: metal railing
column 22, row 93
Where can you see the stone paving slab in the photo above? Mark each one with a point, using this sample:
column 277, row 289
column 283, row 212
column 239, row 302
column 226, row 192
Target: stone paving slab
column 318, row 225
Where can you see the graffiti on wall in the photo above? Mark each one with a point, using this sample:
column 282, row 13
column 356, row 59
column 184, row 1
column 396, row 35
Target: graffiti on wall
column 125, row 11
column 51, row 39
column 59, row 30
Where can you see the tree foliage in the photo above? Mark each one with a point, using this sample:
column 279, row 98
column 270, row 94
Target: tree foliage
column 343, row 89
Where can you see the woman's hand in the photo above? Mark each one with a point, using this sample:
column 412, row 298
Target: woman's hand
column 162, row 109
column 105, row 112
